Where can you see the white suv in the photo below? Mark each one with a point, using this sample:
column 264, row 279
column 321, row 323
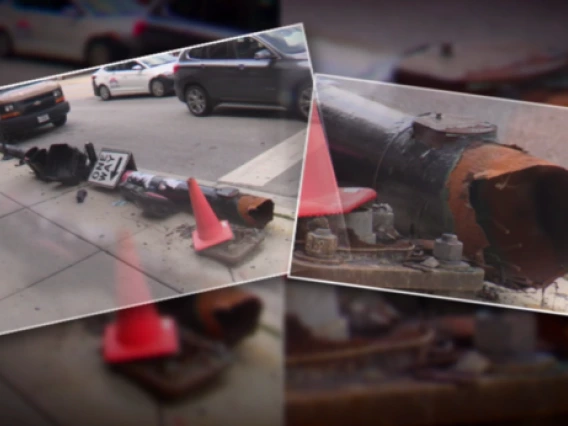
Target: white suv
column 150, row 75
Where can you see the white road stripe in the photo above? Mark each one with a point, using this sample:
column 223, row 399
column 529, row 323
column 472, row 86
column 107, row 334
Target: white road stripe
column 270, row 164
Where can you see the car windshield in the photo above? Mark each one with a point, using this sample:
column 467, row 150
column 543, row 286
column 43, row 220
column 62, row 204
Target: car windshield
column 157, row 60
column 113, row 7
column 289, row 41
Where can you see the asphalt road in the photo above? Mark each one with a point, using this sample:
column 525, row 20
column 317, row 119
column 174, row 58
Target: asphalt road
column 165, row 137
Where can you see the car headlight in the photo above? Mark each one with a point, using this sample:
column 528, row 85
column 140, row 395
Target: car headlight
column 57, row 93
column 9, row 108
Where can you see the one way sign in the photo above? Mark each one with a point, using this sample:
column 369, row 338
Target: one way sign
column 110, row 166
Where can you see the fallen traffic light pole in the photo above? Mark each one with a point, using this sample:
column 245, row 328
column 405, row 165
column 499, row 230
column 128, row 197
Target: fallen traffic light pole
column 229, row 224
column 156, row 195
column 443, row 174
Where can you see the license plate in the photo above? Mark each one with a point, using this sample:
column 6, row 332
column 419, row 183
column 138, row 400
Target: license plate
column 43, row 118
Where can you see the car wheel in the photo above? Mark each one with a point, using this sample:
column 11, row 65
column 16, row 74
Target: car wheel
column 197, row 101
column 304, row 100
column 99, row 53
column 6, row 46
column 157, row 88
column 60, row 121
column 104, row 93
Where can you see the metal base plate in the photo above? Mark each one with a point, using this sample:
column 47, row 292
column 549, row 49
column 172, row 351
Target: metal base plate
column 391, row 276
column 199, row 364
column 233, row 252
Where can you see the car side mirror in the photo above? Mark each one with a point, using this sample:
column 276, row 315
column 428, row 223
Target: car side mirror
column 137, row 68
column 263, row 54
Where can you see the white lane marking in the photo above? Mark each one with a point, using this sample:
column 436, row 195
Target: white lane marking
column 270, row 164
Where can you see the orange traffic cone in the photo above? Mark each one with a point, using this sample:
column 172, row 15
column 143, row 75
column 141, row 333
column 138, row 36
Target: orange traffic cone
column 320, row 195
column 210, row 230
column 138, row 332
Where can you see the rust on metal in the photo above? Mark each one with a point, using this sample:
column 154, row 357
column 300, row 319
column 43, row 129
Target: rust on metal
column 436, row 129
column 444, row 174
column 255, row 210
column 478, row 63
column 551, row 97
column 518, row 208
column 364, row 271
column 303, row 350
column 227, row 203
column 229, row 314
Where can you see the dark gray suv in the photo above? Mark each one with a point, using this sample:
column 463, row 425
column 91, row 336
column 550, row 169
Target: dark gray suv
column 270, row 68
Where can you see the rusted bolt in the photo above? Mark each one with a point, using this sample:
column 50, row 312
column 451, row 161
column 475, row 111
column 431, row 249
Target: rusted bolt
column 383, row 216
column 361, row 223
column 448, row 249
column 321, row 243
column 447, row 50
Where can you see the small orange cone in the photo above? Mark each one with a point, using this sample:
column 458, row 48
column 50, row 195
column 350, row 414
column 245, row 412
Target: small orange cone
column 320, row 195
column 138, row 332
column 210, row 230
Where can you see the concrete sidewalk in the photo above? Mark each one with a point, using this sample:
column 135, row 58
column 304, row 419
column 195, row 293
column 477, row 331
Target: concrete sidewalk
column 55, row 376
column 59, row 258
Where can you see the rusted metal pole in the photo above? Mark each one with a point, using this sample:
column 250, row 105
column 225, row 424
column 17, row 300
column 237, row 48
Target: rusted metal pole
column 447, row 174
column 227, row 203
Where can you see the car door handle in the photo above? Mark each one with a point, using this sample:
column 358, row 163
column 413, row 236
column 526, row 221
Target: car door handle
column 241, row 66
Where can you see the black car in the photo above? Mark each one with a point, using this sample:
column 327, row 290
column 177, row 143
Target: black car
column 270, row 68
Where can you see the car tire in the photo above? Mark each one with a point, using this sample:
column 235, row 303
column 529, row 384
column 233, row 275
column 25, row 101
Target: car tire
column 60, row 121
column 303, row 100
column 157, row 88
column 104, row 93
column 6, row 45
column 198, row 101
column 100, row 52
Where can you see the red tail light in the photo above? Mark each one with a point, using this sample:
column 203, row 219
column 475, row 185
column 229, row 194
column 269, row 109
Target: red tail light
column 176, row 68
column 139, row 28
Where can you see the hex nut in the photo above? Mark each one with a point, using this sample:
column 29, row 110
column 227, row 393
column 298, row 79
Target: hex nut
column 448, row 249
column 383, row 216
column 321, row 243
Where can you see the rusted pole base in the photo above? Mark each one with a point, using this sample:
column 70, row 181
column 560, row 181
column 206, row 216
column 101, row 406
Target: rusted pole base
column 244, row 245
column 199, row 363
column 465, row 280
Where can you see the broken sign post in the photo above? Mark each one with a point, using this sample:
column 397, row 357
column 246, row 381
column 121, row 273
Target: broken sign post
column 151, row 348
column 215, row 238
column 447, row 174
column 343, row 236
column 110, row 166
